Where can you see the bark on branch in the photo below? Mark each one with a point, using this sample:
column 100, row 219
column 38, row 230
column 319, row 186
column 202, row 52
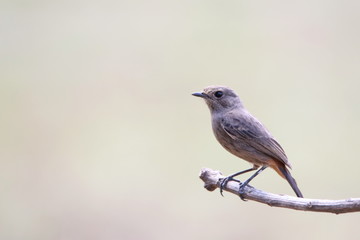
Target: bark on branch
column 212, row 180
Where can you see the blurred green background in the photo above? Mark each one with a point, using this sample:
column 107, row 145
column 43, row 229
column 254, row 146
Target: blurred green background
column 101, row 138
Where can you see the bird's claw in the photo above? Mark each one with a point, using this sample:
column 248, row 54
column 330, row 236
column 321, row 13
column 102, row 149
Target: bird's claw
column 224, row 181
column 242, row 191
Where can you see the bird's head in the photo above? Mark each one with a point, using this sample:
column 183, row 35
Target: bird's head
column 219, row 98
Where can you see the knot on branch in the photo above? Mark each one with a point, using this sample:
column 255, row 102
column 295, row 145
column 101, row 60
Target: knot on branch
column 210, row 178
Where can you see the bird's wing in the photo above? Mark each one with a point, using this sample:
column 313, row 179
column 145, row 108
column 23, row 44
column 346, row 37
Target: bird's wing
column 249, row 130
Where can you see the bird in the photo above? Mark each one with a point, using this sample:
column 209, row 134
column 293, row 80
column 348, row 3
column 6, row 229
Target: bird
column 240, row 133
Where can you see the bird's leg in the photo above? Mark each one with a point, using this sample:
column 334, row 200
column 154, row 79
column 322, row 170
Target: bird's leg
column 225, row 180
column 242, row 185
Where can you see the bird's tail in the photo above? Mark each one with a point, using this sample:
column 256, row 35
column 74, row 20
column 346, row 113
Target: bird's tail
column 284, row 172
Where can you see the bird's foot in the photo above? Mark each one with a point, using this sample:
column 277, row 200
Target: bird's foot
column 224, row 181
column 242, row 191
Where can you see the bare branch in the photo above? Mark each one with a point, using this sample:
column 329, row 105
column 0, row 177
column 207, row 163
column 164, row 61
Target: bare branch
column 212, row 180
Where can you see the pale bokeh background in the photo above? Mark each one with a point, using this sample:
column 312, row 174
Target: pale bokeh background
column 101, row 139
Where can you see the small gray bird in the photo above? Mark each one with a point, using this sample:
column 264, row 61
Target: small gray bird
column 244, row 136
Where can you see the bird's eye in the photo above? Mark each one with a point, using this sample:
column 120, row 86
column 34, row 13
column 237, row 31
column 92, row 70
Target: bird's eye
column 218, row 94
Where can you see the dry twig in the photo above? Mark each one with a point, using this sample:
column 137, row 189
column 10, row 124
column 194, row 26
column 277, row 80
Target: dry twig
column 212, row 180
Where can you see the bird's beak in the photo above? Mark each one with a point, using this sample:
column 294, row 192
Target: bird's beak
column 200, row 94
